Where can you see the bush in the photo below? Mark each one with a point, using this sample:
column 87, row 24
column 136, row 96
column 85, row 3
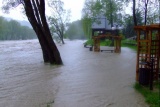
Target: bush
column 89, row 42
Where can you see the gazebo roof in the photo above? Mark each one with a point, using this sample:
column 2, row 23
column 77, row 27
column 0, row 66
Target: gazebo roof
column 102, row 23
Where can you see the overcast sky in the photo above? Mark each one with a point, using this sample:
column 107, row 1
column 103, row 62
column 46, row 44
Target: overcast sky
column 74, row 5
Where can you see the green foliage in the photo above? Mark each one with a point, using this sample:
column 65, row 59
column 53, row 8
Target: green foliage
column 86, row 25
column 105, row 42
column 132, row 44
column 111, row 9
column 151, row 97
column 59, row 19
column 89, row 42
column 12, row 30
column 75, row 30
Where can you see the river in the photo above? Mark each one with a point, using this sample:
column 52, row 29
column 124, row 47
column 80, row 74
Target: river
column 86, row 79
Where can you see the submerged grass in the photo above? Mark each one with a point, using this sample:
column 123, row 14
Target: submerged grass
column 151, row 97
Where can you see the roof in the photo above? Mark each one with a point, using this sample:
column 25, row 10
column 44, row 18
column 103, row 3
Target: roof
column 101, row 22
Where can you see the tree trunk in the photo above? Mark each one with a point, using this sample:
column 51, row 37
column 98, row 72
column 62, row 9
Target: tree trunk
column 63, row 41
column 61, row 36
column 111, row 14
column 146, row 8
column 134, row 13
column 35, row 12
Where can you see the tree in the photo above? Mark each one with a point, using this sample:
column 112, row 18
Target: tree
column 111, row 9
column 149, row 11
column 59, row 19
column 2, row 28
column 86, row 25
column 35, row 12
column 134, row 12
column 129, row 24
column 75, row 30
column 91, row 9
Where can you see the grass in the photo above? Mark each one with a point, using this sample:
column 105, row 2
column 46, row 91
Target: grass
column 151, row 97
column 130, row 44
column 125, row 43
column 134, row 47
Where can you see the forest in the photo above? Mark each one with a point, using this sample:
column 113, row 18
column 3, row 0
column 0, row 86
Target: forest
column 13, row 30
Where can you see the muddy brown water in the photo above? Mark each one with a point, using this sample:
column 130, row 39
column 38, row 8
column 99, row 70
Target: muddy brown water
column 87, row 79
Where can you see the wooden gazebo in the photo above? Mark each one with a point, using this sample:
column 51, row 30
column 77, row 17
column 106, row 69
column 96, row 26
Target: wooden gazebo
column 117, row 42
column 148, row 44
column 105, row 30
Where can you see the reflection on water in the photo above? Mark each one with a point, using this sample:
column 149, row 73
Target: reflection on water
column 86, row 79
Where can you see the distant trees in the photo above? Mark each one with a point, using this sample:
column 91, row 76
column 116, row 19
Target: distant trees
column 12, row 30
column 129, row 24
column 75, row 30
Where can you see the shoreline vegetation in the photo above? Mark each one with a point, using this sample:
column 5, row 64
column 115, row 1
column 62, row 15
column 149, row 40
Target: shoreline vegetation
column 151, row 97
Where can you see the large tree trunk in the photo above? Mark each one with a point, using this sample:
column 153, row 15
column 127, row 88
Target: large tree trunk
column 35, row 11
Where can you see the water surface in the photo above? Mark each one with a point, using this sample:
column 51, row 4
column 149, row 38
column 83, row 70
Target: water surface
column 87, row 79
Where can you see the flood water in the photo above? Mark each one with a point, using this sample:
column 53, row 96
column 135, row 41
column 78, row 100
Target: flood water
column 87, row 79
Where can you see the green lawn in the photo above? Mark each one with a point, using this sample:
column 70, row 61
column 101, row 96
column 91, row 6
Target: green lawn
column 129, row 43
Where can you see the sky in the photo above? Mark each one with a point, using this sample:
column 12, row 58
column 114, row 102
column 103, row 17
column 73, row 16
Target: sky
column 74, row 5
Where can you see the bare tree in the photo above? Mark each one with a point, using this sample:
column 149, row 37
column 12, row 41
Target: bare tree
column 148, row 8
column 35, row 12
column 59, row 19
